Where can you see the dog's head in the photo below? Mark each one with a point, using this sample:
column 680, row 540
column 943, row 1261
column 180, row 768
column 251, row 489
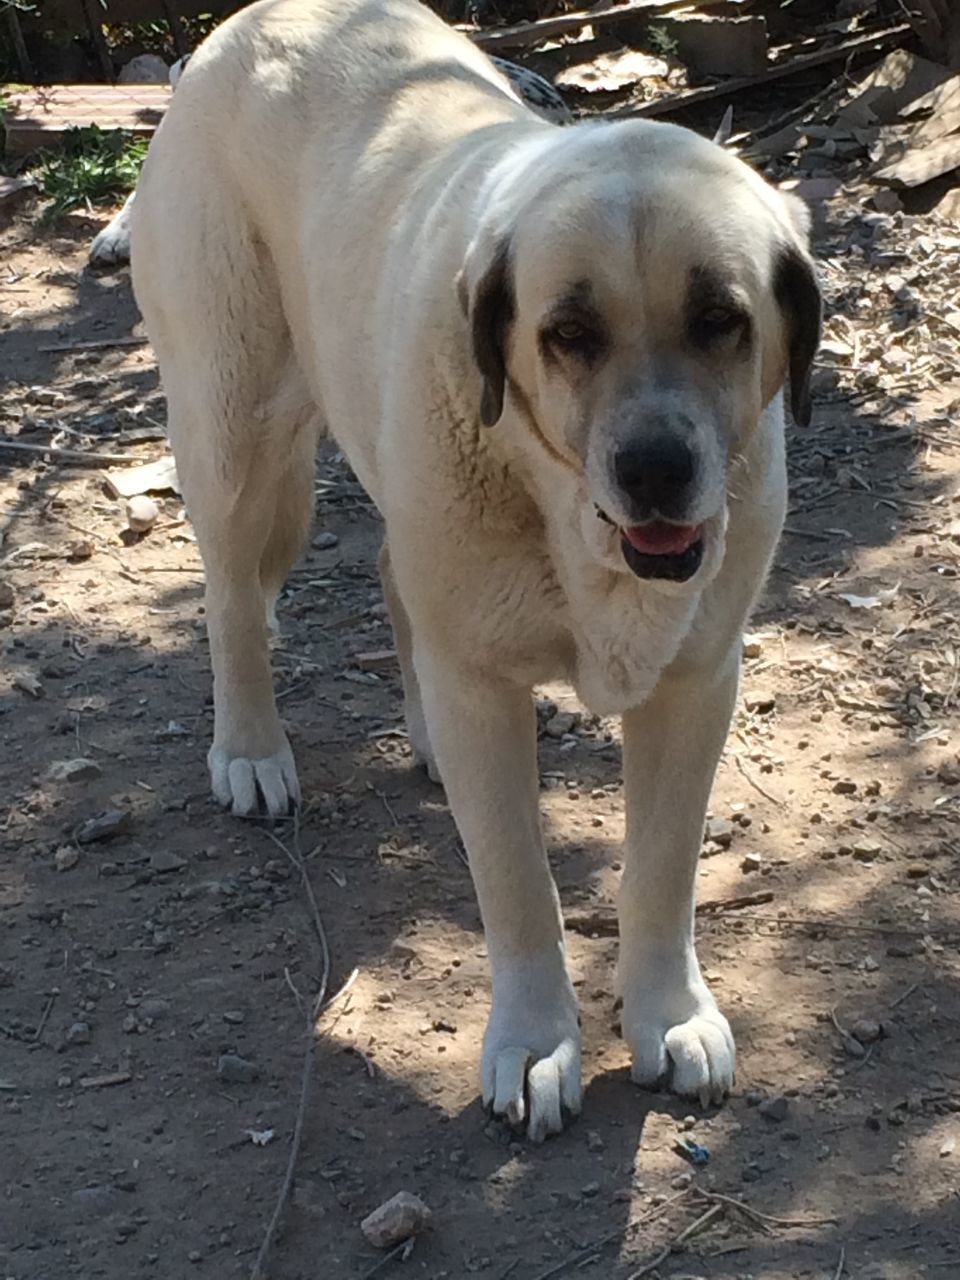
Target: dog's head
column 638, row 296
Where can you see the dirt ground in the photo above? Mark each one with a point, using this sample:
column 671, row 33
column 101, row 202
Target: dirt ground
column 129, row 966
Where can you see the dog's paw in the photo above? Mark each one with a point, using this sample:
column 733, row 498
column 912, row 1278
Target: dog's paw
column 250, row 786
column 530, row 1070
column 681, row 1039
column 111, row 247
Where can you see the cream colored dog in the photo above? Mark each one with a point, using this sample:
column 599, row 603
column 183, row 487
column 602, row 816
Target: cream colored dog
column 554, row 358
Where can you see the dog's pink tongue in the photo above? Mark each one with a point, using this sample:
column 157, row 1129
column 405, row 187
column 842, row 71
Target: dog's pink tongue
column 658, row 538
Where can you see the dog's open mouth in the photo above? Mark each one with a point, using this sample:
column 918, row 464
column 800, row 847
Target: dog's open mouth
column 660, row 549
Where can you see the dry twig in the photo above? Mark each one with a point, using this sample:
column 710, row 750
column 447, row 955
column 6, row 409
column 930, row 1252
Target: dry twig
column 697, row 1225
column 65, row 455
column 296, row 858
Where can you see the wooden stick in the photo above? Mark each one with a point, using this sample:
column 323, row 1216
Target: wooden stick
column 603, row 920
column 790, row 66
column 95, row 344
column 66, row 455
column 697, row 1225
column 527, row 33
column 295, row 857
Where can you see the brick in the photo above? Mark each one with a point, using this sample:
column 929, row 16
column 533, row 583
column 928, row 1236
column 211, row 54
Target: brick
column 39, row 117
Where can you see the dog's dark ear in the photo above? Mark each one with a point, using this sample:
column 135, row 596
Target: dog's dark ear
column 489, row 306
column 798, row 295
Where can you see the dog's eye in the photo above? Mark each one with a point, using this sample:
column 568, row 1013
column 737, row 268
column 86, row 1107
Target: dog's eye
column 569, row 334
column 574, row 338
column 719, row 320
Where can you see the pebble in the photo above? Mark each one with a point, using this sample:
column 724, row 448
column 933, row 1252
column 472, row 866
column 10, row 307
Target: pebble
column 78, row 1033
column 142, row 514
column 7, row 596
column 844, row 787
column 949, row 771
column 164, row 861
column 560, row 723
column 865, row 850
column 66, row 858
column 720, row 831
column 99, row 1198
column 762, row 702
column 104, row 826
column 402, row 1216
column 326, row 541
column 234, row 1016
column 154, row 1007
column 775, row 1109
column 233, row 1069
column 594, row 1141
column 752, row 645
column 79, row 769
column 866, row 1030
column 751, row 862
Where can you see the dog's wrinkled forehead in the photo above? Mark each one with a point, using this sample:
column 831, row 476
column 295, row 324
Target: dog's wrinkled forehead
column 636, row 241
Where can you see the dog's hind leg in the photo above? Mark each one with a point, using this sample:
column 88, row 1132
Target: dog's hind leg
column 233, row 497
column 403, row 638
column 294, row 509
column 241, row 427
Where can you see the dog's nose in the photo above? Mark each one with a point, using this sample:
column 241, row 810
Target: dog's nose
column 657, row 475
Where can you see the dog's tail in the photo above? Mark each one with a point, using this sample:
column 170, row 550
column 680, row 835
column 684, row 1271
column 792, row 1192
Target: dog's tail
column 176, row 71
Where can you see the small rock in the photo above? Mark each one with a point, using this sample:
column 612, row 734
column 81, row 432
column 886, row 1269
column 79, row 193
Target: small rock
column 165, row 861
column 153, row 1008
column 142, row 514
column 402, row 1216
column 7, row 596
column 594, row 1141
column 590, row 1189
column 845, row 787
column 775, row 1109
column 917, row 871
column 233, row 1069
column 720, row 831
column 751, row 862
column 752, row 645
column 78, row 1033
column 100, row 1198
column 948, row 1146
column 949, row 771
column 326, row 541
column 78, row 770
column 762, row 702
column 866, row 1030
column 234, row 1016
column 105, row 826
column 753, row 1097
column 865, row 850
column 560, row 724
column 66, row 859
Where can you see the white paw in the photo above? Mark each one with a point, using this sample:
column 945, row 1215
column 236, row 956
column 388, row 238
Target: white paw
column 530, row 1070
column 111, row 247
column 680, row 1038
column 249, row 786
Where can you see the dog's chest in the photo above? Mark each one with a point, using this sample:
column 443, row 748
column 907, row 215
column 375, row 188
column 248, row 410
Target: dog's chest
column 610, row 636
column 623, row 638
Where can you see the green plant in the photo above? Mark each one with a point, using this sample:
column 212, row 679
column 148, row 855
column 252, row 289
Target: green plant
column 91, row 166
column 661, row 41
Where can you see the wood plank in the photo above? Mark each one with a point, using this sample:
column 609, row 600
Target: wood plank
column 921, row 165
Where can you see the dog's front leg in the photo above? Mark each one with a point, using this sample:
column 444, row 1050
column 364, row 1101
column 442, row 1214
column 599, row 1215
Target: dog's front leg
column 672, row 744
column 483, row 730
